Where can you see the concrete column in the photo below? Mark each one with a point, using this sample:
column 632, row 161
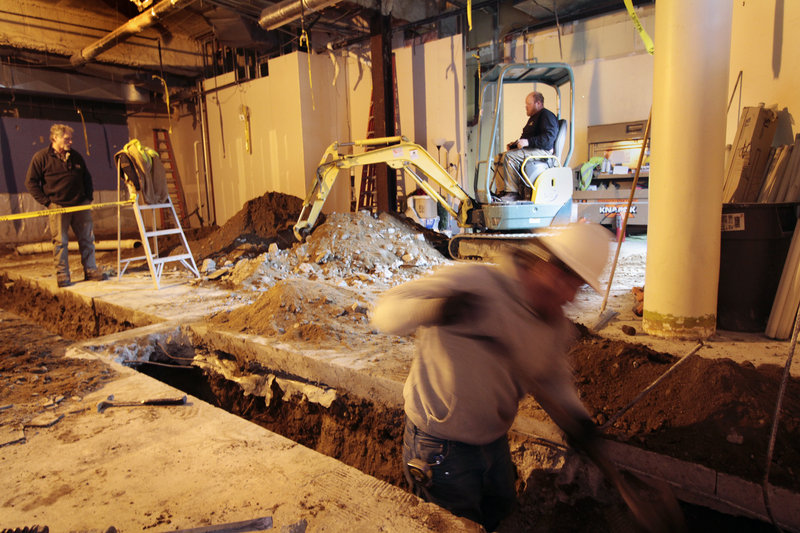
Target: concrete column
column 690, row 85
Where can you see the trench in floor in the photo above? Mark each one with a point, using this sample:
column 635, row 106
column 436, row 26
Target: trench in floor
column 355, row 430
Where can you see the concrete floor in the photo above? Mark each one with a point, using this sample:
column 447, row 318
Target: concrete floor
column 209, row 467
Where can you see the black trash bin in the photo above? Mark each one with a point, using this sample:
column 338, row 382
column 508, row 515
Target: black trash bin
column 754, row 245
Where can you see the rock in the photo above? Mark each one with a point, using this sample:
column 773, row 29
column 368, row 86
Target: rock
column 273, row 249
column 209, row 265
column 628, row 330
column 358, row 308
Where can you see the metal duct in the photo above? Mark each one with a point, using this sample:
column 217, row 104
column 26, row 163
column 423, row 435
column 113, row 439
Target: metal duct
column 132, row 27
column 284, row 12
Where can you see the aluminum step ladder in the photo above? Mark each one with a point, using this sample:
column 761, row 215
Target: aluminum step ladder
column 166, row 212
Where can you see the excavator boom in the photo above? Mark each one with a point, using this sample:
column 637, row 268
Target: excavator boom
column 397, row 152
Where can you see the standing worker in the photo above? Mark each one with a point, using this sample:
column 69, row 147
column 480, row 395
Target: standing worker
column 57, row 177
column 488, row 335
column 537, row 139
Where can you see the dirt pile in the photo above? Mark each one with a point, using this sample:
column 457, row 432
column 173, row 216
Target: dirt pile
column 302, row 310
column 711, row 411
column 262, row 221
column 37, row 383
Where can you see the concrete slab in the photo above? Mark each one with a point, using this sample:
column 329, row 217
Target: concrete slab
column 193, row 452
column 163, row 468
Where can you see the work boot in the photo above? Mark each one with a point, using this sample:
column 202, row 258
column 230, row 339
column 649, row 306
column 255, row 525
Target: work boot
column 95, row 275
column 63, row 281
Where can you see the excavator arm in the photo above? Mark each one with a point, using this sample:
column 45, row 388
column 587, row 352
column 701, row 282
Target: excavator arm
column 397, row 152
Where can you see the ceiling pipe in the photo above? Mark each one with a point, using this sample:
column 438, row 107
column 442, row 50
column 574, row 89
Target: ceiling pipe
column 132, row 27
column 285, row 12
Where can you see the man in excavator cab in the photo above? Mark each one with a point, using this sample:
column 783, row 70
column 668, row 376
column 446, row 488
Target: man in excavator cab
column 533, row 150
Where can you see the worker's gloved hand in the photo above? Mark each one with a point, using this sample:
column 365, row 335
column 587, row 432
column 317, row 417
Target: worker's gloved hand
column 459, row 307
column 584, row 435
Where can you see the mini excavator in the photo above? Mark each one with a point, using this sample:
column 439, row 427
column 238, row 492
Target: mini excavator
column 488, row 223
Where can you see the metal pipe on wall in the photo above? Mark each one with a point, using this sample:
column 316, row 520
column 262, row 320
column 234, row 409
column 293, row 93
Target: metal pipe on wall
column 210, row 203
column 132, row 27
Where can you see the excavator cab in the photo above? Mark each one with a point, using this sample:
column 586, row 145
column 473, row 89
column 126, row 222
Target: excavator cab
column 548, row 179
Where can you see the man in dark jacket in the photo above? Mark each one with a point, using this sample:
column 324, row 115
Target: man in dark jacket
column 537, row 139
column 57, row 177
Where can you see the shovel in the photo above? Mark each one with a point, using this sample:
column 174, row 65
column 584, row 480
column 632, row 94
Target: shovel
column 655, row 508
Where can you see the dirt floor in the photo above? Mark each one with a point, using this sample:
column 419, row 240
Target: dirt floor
column 714, row 412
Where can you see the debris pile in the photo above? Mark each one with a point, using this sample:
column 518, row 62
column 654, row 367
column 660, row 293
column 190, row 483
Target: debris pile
column 353, row 250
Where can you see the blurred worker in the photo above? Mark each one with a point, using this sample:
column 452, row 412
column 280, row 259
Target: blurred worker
column 489, row 335
column 537, row 139
column 57, row 177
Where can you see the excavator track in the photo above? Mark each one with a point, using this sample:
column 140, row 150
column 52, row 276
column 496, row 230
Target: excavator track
column 487, row 246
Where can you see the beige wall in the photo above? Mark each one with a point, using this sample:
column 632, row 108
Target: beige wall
column 764, row 48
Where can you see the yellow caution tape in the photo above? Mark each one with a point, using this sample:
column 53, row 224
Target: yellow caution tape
column 61, row 210
column 648, row 42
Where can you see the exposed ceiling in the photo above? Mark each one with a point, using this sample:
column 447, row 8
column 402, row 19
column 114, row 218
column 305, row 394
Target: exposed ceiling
column 241, row 25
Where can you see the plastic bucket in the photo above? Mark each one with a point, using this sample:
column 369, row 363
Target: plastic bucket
column 754, row 245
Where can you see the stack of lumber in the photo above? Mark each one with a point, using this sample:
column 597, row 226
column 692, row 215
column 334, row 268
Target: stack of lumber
column 787, row 298
column 782, row 175
column 782, row 184
column 757, row 172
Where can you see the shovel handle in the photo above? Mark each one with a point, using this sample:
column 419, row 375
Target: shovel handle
column 164, row 401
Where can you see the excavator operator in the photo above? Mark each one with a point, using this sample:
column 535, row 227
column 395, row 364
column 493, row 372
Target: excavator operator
column 537, row 139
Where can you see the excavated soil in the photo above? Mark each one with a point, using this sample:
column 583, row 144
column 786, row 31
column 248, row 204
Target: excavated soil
column 262, row 221
column 710, row 411
column 37, row 383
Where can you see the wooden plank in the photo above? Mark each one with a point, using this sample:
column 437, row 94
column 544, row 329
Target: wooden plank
column 792, row 174
column 769, row 173
column 787, row 297
column 769, row 193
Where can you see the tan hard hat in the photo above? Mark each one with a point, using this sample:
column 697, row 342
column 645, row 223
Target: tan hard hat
column 583, row 247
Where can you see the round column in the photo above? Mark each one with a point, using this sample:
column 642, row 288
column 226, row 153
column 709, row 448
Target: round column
column 690, row 86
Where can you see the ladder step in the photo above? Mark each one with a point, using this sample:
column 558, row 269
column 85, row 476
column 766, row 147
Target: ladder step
column 153, row 206
column 170, row 258
column 156, row 233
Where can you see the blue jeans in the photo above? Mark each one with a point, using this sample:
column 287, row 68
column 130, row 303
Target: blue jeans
column 82, row 226
column 476, row 482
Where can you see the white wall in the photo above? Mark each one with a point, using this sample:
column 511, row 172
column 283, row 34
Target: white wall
column 432, row 106
column 613, row 72
column 290, row 129
column 275, row 161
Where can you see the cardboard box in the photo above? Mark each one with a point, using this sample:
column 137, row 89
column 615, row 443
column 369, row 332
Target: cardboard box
column 747, row 161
